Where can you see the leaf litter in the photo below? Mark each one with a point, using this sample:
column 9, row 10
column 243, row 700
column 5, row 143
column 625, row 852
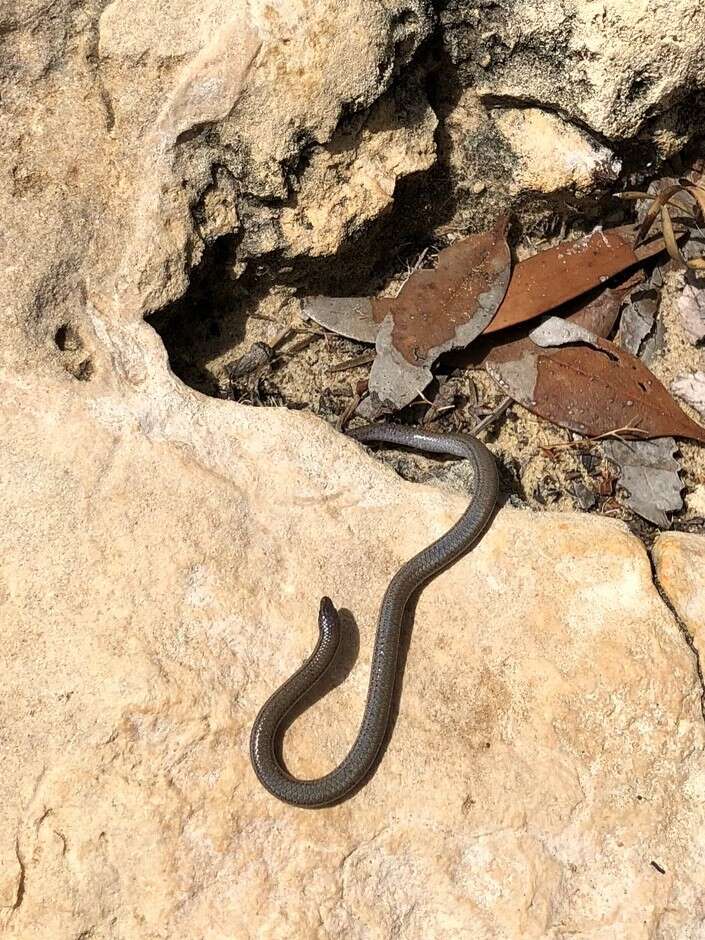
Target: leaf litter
column 582, row 382
column 568, row 373
column 640, row 327
column 691, row 388
column 436, row 311
column 576, row 379
column 649, row 475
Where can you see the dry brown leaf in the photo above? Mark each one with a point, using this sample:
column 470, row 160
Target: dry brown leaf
column 660, row 201
column 436, row 310
column 589, row 386
column 663, row 198
column 537, row 285
column 598, row 314
column 554, row 277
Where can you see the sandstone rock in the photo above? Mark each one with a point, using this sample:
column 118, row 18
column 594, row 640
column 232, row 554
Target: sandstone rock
column 145, row 133
column 553, row 155
column 596, row 75
column 680, row 559
column 163, row 556
column 351, row 180
column 620, row 69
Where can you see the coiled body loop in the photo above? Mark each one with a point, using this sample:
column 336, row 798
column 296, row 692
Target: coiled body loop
column 356, row 765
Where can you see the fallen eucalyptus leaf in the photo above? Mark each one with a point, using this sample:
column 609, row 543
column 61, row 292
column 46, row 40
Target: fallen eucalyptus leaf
column 435, row 311
column 685, row 197
column 691, row 388
column 649, row 473
column 348, row 316
column 591, row 387
column 558, row 275
column 537, row 285
column 598, row 315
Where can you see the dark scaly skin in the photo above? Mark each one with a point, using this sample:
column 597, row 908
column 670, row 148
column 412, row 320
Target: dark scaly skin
column 354, row 768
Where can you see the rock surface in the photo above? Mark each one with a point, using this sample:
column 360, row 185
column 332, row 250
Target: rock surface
column 134, row 135
column 163, row 556
column 680, row 561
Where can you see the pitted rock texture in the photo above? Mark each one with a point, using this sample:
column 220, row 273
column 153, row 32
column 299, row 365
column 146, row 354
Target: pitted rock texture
column 135, row 135
column 163, row 558
column 619, row 68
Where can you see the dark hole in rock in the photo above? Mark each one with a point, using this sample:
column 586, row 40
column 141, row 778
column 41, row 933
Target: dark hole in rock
column 67, row 339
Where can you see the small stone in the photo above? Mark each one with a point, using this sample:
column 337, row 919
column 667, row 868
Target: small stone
column 256, row 357
column 692, row 310
column 691, row 388
column 585, row 497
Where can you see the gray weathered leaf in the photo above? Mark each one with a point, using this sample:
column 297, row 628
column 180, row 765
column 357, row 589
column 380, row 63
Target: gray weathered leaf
column 348, row 316
column 558, row 332
column 640, row 329
column 649, row 474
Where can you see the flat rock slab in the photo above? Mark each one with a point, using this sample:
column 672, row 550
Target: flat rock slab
column 163, row 556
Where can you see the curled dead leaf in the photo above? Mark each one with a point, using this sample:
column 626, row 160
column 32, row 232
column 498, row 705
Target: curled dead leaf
column 661, row 199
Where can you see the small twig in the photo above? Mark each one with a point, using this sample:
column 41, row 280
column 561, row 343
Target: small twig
column 421, row 400
column 360, row 393
column 434, row 412
column 362, row 360
column 318, row 330
column 281, row 337
column 297, row 347
column 262, row 316
column 586, row 441
column 636, row 196
column 491, row 418
column 412, row 270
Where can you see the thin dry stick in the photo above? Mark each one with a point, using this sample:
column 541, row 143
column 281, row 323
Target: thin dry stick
column 352, row 407
column 297, row 347
column 637, row 196
column 491, row 418
column 585, row 442
column 281, row 337
column 362, row 360
column 417, row 264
